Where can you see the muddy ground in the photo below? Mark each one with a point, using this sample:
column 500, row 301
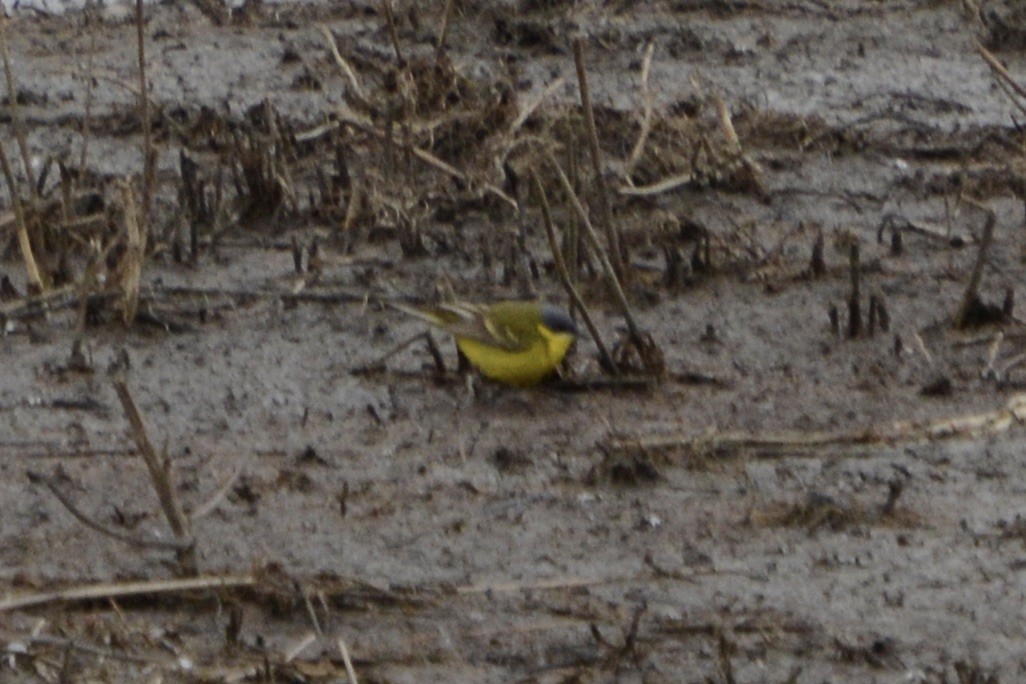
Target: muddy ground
column 789, row 503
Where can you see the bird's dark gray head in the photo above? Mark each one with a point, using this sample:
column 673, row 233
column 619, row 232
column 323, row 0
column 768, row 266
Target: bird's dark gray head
column 557, row 319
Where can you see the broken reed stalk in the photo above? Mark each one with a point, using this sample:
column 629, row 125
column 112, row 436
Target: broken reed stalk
column 854, row 307
column 973, row 286
column 572, row 229
column 356, row 200
column 116, row 590
column 215, row 499
column 12, row 102
column 1016, row 93
column 591, row 236
column 161, row 477
column 646, row 121
column 148, row 150
column 525, row 284
column 443, row 31
column 615, row 244
column 348, row 116
column 140, row 542
column 564, row 274
column 343, row 65
column 24, row 243
column 386, row 7
column 347, row 661
column 130, row 270
column 87, row 116
column 817, row 265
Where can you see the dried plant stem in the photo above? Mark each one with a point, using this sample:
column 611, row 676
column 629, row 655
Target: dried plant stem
column 212, row 503
column 572, row 229
column 564, row 274
column 386, row 7
column 141, row 542
column 973, row 286
column 132, row 260
column 161, row 477
column 528, row 109
column 107, row 590
column 591, row 236
column 646, row 122
column 815, row 443
column 12, row 98
column 31, row 267
column 149, row 165
column 854, row 303
column 343, row 65
column 88, row 114
column 616, row 256
column 1016, row 93
column 726, row 125
column 350, row 117
column 347, row 661
column 443, row 31
column 356, row 199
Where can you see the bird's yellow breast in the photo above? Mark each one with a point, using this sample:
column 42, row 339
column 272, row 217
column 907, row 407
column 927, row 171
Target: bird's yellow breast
column 522, row 367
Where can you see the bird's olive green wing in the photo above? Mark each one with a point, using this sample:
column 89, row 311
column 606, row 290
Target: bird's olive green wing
column 512, row 326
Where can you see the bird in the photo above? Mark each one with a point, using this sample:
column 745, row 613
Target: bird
column 518, row 343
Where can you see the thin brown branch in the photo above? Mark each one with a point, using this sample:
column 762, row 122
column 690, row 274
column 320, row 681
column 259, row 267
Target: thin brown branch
column 16, row 119
column 854, row 296
column 347, row 661
column 443, row 31
column 87, row 116
column 350, row 117
column 108, row 590
column 605, row 211
column 343, row 65
column 592, row 238
column 149, row 165
column 646, row 121
column 35, row 279
column 212, row 503
column 564, row 274
column 161, row 478
column 972, row 288
column 141, row 542
column 999, row 69
column 813, row 443
column 527, row 110
column 386, row 8
column 130, row 269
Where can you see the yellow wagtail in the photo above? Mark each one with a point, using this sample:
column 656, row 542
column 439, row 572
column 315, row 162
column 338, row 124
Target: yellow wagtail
column 516, row 342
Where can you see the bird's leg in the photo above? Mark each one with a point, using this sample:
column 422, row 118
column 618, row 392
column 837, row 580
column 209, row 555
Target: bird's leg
column 378, row 365
column 465, row 370
column 436, row 353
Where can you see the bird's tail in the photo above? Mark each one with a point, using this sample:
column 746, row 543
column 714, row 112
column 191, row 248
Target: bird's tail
column 422, row 314
column 444, row 315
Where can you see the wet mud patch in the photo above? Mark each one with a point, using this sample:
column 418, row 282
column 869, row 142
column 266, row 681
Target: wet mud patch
column 213, row 468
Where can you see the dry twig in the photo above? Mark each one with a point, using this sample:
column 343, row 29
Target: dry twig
column 149, row 152
column 16, row 119
column 592, row 237
column 115, row 590
column 162, row 480
column 971, row 296
column 141, row 542
column 35, row 278
column 615, row 245
column 564, row 275
column 812, row 443
column 646, row 121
